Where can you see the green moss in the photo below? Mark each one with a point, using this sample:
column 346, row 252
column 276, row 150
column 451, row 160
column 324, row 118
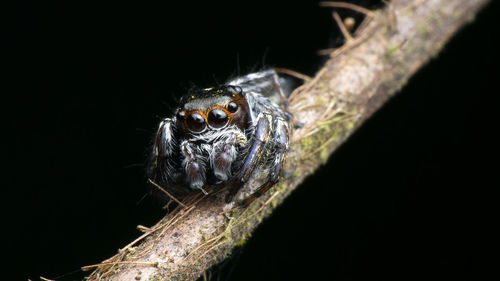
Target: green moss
column 131, row 252
column 422, row 29
column 391, row 52
column 307, row 143
column 324, row 155
column 243, row 240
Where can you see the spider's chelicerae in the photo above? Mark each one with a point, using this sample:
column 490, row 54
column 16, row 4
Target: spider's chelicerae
column 223, row 135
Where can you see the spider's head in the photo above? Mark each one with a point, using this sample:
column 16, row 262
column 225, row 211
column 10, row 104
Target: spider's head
column 213, row 109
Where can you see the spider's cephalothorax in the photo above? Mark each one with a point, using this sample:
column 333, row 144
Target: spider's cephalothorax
column 222, row 135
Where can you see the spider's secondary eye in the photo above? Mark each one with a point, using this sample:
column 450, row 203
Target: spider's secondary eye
column 232, row 107
column 196, row 122
column 217, row 118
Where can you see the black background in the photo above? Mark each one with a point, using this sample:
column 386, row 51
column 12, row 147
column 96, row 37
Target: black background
column 410, row 196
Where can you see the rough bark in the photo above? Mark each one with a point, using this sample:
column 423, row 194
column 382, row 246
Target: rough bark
column 354, row 83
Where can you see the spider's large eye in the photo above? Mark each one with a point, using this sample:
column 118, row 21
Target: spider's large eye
column 217, row 118
column 196, row 122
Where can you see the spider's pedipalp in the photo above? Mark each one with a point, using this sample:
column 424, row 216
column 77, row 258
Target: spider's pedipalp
column 194, row 167
column 223, row 157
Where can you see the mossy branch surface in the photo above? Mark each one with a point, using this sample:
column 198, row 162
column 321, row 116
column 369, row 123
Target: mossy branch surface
column 357, row 79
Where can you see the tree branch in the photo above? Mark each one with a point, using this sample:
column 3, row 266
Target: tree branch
column 357, row 79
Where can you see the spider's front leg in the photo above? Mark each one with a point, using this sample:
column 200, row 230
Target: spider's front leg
column 159, row 166
column 194, row 166
column 260, row 138
column 280, row 139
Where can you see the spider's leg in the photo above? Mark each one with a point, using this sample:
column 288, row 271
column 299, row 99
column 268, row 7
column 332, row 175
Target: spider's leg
column 280, row 128
column 260, row 137
column 267, row 83
column 194, row 167
column 279, row 90
column 283, row 97
column 254, row 81
column 159, row 165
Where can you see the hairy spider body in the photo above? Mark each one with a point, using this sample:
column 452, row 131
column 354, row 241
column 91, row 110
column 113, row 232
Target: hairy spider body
column 222, row 135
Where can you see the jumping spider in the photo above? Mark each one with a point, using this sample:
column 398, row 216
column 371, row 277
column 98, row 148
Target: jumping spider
column 221, row 135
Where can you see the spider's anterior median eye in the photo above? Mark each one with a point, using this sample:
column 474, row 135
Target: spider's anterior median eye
column 217, row 118
column 196, row 122
column 232, row 107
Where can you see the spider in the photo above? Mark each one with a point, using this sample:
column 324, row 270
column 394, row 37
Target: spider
column 223, row 135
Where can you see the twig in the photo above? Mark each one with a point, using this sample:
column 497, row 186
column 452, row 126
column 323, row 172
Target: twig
column 348, row 6
column 293, row 73
column 88, row 267
column 167, row 193
column 343, row 29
